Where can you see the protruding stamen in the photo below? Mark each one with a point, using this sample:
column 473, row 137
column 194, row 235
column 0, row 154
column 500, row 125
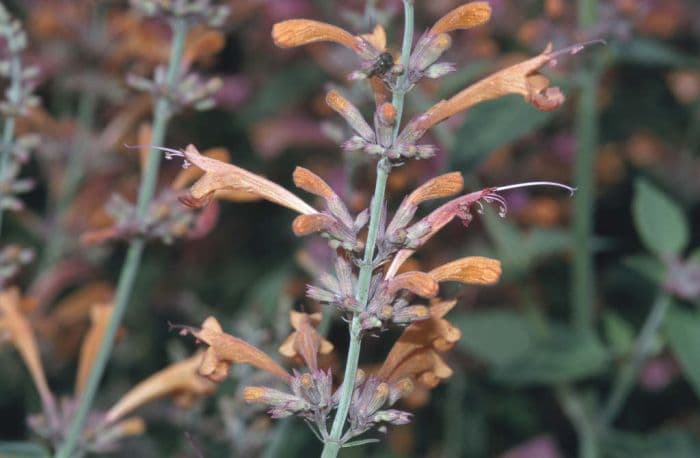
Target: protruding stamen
column 528, row 184
column 578, row 47
column 169, row 152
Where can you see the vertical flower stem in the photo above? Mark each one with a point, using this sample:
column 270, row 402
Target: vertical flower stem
column 587, row 139
column 87, row 107
column 581, row 420
column 333, row 444
column 643, row 346
column 8, row 132
column 149, row 176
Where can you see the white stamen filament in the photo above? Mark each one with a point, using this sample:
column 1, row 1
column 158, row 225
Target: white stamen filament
column 169, row 152
column 528, row 184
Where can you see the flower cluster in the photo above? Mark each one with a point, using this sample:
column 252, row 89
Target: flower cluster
column 368, row 287
column 106, row 429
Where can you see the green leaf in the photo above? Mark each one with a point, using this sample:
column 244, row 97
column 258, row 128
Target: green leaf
column 660, row 223
column 561, row 357
column 647, row 266
column 497, row 337
column 491, row 125
column 682, row 330
column 23, row 450
column 618, row 332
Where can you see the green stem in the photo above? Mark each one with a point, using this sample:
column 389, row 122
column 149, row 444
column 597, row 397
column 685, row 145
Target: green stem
column 14, row 93
column 333, row 443
column 581, row 420
column 8, row 133
column 587, row 138
column 643, row 347
column 131, row 265
column 587, row 11
column 87, row 107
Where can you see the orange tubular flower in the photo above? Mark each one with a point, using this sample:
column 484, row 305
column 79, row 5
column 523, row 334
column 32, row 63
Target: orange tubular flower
column 220, row 176
column 298, row 32
column 180, row 379
column 99, row 316
column 415, row 355
column 224, row 350
column 305, row 341
column 15, row 328
column 472, row 270
column 522, row 78
column 463, row 17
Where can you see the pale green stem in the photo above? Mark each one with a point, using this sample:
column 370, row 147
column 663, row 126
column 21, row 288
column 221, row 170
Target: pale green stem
column 333, row 443
column 87, row 107
column 581, row 420
column 583, row 287
column 643, row 347
column 8, row 132
column 131, row 265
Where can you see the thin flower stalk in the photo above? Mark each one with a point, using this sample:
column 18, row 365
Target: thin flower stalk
column 134, row 254
column 583, row 282
column 18, row 95
column 333, row 443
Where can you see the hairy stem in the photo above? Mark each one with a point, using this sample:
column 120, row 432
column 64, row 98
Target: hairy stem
column 333, row 444
column 131, row 265
column 643, row 346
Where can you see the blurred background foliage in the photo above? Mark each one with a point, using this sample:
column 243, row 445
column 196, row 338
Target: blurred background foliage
column 542, row 353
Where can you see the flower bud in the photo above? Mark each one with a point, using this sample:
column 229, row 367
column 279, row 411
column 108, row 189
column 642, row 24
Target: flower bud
column 351, row 114
column 393, row 416
column 384, row 123
column 428, row 49
column 439, row 70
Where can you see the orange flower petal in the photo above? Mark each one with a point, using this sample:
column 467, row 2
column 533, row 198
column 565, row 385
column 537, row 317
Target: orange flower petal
column 312, row 183
column 305, row 341
column 474, row 270
column 515, row 79
column 178, row 378
column 299, row 32
column 442, row 186
column 202, row 44
column 15, row 328
column 463, row 17
column 377, row 38
column 219, row 176
column 225, row 349
column 418, row 283
column 99, row 317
